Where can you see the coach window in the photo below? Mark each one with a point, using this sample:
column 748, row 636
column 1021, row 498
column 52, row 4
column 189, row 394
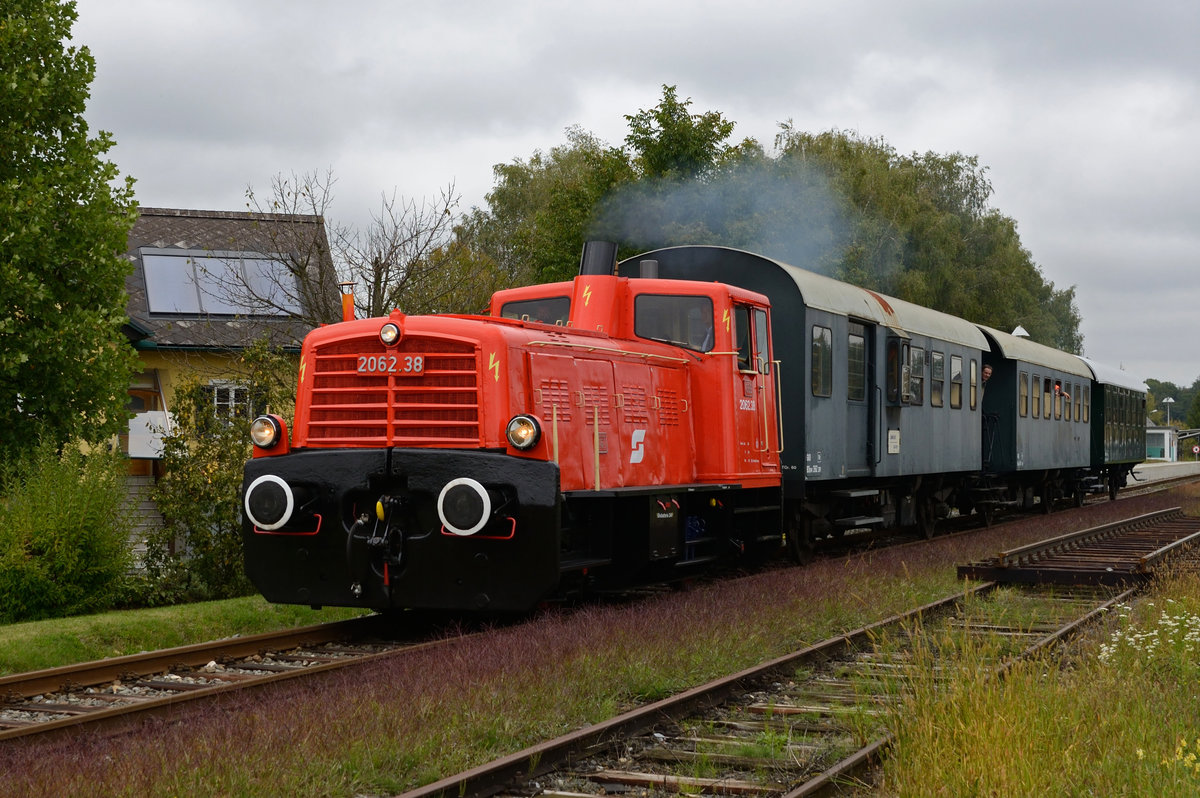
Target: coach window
column 1035, row 396
column 917, row 375
column 685, row 321
column 937, row 379
column 1087, row 404
column 1023, row 394
column 956, row 381
column 1046, row 404
column 856, row 363
column 822, row 361
column 1076, row 395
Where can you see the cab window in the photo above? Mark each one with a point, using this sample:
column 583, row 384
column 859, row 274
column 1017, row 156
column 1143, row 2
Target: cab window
column 685, row 321
column 548, row 310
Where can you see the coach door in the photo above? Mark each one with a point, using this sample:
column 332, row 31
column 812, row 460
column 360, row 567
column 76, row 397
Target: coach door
column 860, row 398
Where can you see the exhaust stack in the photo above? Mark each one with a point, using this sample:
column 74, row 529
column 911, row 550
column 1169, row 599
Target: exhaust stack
column 599, row 257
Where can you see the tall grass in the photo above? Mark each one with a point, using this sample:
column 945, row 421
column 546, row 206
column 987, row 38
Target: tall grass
column 1120, row 716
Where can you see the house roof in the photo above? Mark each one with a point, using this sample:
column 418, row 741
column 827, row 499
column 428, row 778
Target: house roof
column 296, row 238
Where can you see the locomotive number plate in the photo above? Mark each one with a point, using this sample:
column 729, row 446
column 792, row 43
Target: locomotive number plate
column 400, row 365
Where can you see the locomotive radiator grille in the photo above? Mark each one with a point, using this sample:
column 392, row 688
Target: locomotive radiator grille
column 437, row 406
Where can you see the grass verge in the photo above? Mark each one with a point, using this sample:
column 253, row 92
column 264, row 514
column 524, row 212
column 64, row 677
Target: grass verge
column 64, row 641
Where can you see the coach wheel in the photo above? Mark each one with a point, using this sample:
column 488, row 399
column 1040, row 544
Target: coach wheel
column 926, row 517
column 800, row 541
column 1078, row 496
column 1047, row 498
column 1112, row 489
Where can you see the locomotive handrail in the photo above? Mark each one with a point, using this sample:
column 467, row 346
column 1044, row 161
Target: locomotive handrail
column 779, row 402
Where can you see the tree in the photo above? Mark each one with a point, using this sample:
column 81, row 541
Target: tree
column 541, row 211
column 671, row 142
column 397, row 261
column 65, row 365
column 921, row 229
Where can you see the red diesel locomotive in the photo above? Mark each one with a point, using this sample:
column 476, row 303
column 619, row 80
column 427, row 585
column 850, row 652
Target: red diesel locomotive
column 603, row 431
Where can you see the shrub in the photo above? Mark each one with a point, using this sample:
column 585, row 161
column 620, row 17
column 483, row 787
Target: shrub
column 197, row 554
column 64, row 533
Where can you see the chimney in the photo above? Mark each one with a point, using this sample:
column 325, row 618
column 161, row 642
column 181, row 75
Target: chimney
column 599, row 257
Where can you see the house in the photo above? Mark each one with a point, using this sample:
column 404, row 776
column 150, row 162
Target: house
column 204, row 285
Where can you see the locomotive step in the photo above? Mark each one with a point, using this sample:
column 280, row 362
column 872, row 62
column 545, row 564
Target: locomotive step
column 855, row 493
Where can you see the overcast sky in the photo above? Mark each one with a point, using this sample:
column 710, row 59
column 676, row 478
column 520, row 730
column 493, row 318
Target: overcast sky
column 1086, row 114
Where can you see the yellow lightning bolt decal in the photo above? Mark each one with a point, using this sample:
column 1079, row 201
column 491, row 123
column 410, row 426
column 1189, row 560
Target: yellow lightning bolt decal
column 303, row 363
column 587, row 295
column 494, row 365
column 726, row 320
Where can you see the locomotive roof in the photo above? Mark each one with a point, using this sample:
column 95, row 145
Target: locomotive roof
column 752, row 271
column 1110, row 375
column 1017, row 348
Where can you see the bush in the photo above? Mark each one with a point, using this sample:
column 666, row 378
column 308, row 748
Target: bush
column 197, row 555
column 64, row 533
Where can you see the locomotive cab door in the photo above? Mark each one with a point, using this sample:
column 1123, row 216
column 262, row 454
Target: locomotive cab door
column 755, row 419
column 861, row 400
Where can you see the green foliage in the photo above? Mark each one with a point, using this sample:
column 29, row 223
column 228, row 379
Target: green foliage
column 1185, row 410
column 922, row 230
column 670, row 142
column 540, row 210
column 62, row 228
column 197, row 554
column 64, row 533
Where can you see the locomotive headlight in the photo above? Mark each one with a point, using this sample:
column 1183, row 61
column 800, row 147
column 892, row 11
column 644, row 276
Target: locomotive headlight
column 389, row 333
column 266, row 431
column 269, row 502
column 464, row 506
column 523, row 432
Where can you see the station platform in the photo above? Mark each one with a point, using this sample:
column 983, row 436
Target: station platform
column 1156, row 470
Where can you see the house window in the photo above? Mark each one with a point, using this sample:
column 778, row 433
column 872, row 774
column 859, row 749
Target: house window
column 218, row 283
column 230, row 400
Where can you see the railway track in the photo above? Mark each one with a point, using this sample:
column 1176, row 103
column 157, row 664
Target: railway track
column 64, row 700
column 803, row 722
column 67, row 699
column 1120, row 553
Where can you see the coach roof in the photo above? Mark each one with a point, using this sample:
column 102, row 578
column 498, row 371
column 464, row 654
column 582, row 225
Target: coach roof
column 771, row 277
column 1018, row 348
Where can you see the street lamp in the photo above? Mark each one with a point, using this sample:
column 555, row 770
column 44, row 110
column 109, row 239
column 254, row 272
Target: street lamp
column 1168, row 402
